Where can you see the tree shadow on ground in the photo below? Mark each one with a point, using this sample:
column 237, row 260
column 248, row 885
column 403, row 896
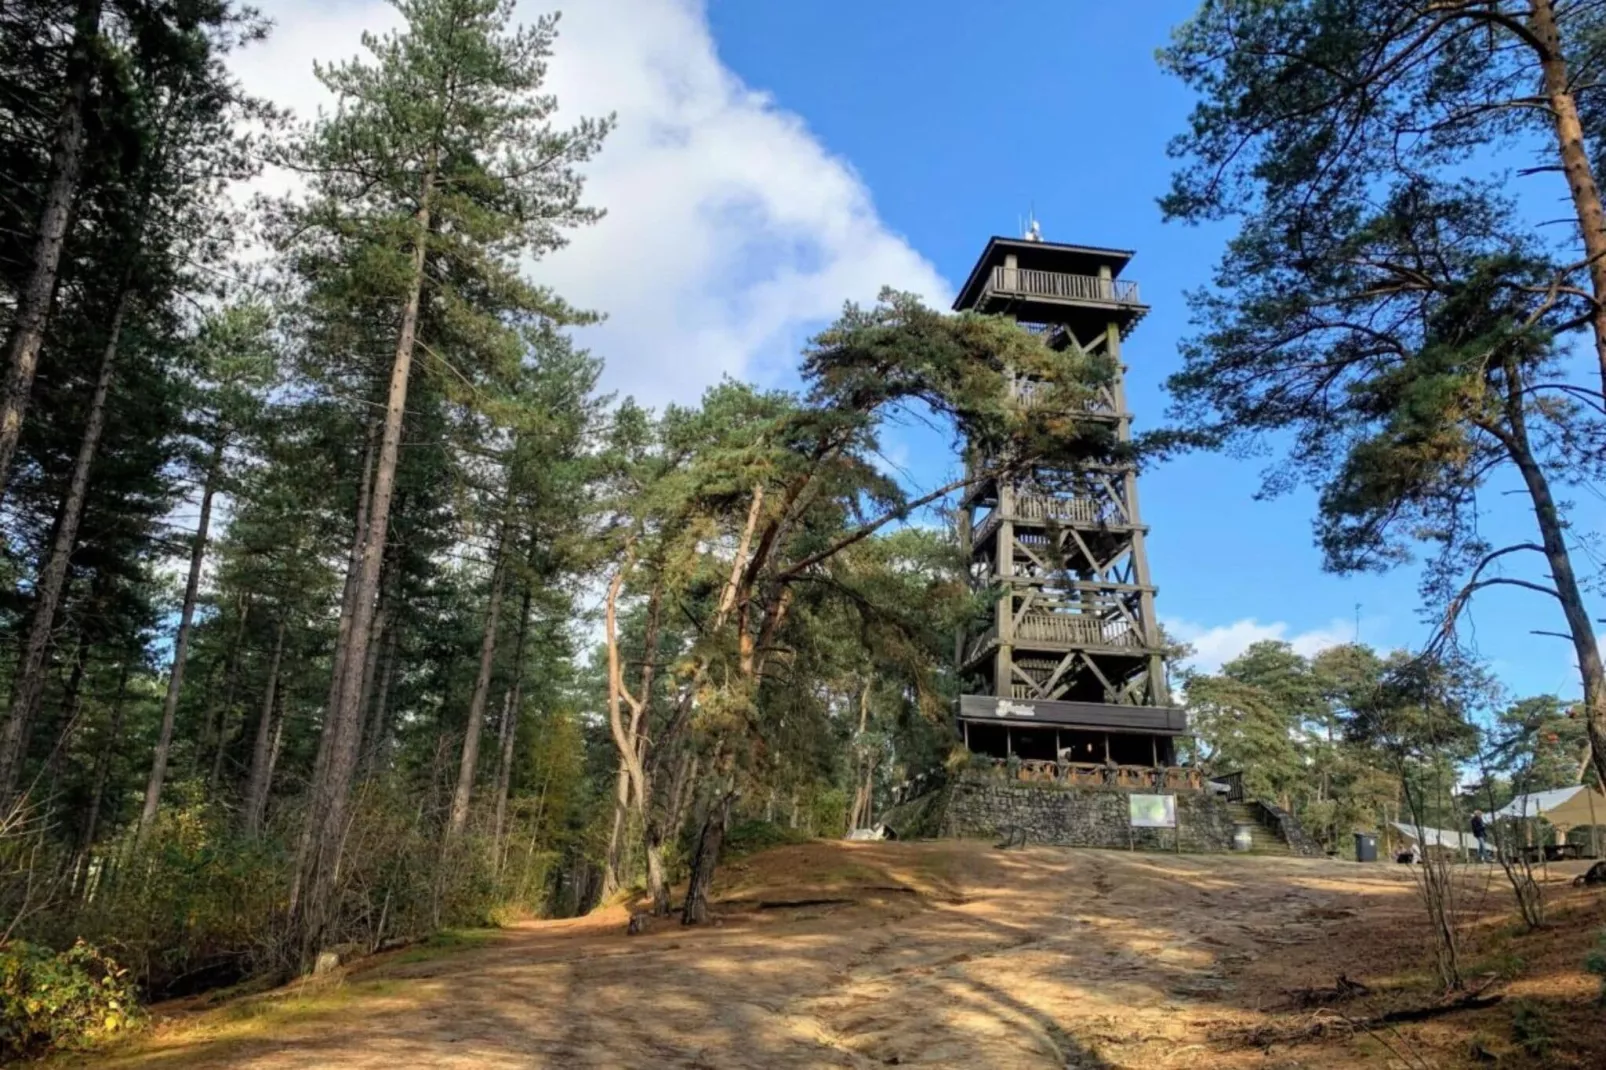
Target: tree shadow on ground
column 945, row 954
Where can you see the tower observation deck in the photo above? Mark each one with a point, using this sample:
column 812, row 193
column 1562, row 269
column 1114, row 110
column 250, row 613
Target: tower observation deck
column 1070, row 664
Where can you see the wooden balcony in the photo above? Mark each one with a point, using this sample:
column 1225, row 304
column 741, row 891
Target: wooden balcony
column 1039, row 510
column 1084, row 302
column 982, row 470
column 1027, row 284
column 1063, row 631
column 1035, row 394
column 1062, row 510
column 1076, row 630
column 1043, row 283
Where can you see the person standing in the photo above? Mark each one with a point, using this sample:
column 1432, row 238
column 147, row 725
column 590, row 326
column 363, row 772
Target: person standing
column 1479, row 830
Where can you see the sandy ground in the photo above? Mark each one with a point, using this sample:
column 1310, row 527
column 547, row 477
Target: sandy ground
column 943, row 954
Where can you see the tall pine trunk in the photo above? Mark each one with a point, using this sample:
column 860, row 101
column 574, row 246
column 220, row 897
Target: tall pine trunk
column 860, row 815
column 378, row 643
column 1553, row 540
column 378, row 731
column 503, row 747
column 72, row 695
column 330, row 801
column 225, row 701
column 613, row 861
column 637, row 761
column 663, row 823
column 260, row 779
column 348, row 610
column 706, row 862
column 181, row 646
column 1575, row 164
column 39, row 292
column 469, row 764
column 72, row 707
column 97, row 794
column 30, row 679
column 632, row 782
column 510, row 728
column 370, row 667
column 679, row 790
column 1586, row 198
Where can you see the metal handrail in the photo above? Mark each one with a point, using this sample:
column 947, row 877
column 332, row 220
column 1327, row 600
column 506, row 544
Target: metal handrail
column 1234, row 783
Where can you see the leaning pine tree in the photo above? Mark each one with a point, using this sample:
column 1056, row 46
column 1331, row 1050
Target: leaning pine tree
column 790, row 483
column 439, row 170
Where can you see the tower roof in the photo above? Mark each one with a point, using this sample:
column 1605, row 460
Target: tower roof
column 1038, row 256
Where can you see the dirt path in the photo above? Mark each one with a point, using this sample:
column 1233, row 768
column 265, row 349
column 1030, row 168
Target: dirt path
column 861, row 955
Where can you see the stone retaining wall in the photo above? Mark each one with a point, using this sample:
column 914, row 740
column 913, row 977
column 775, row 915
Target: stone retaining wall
column 921, row 818
column 985, row 805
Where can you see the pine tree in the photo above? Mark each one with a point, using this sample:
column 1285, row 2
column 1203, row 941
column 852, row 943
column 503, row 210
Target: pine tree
column 235, row 358
column 439, row 170
column 50, row 235
column 1380, row 281
column 170, row 147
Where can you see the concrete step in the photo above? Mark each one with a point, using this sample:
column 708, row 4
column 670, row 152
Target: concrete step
column 1263, row 841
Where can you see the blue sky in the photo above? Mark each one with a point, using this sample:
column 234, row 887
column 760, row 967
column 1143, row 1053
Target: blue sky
column 959, row 122
column 773, row 160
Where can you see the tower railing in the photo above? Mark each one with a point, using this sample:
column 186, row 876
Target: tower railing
column 1043, row 509
column 1032, row 393
column 1076, row 629
column 1067, row 510
column 1063, row 630
column 1057, row 285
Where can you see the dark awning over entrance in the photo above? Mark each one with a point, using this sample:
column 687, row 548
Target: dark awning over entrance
column 1106, row 716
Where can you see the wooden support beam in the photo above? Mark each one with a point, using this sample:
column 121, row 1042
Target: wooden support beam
column 1065, row 663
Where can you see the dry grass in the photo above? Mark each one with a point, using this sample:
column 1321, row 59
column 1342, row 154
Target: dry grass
column 943, row 954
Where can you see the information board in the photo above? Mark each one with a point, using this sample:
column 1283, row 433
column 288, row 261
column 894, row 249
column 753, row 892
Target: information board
column 1154, row 811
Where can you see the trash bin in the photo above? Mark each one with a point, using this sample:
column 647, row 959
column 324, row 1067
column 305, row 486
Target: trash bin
column 1365, row 847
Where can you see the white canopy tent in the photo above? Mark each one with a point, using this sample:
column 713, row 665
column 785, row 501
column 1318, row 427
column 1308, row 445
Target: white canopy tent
column 1567, row 807
column 1563, row 808
column 1453, row 841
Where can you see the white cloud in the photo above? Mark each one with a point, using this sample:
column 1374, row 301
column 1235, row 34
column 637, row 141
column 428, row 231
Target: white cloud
column 1214, row 647
column 731, row 231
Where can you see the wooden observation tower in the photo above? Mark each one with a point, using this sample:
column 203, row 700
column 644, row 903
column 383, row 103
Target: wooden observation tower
column 1069, row 666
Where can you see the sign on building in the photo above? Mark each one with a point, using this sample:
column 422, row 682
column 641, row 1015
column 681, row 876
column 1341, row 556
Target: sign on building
column 1154, row 811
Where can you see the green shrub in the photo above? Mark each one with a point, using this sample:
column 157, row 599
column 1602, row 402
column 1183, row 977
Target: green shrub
column 58, row 1001
column 1532, row 1029
column 1596, row 962
column 194, row 908
column 827, row 814
column 1505, row 964
column 750, row 837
